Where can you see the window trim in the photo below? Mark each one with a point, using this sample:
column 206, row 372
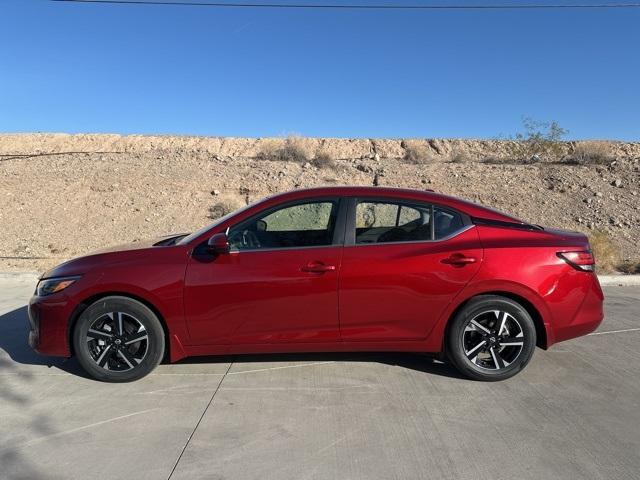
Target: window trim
column 338, row 230
column 350, row 226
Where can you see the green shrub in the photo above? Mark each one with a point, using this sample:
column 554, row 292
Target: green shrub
column 630, row 267
column 416, row 152
column 323, row 159
column 292, row 149
column 224, row 205
column 604, row 250
column 539, row 141
column 592, row 153
column 457, row 156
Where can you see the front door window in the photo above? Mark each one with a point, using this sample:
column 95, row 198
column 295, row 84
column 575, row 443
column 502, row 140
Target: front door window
column 309, row 224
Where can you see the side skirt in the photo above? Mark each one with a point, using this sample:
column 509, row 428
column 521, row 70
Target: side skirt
column 204, row 350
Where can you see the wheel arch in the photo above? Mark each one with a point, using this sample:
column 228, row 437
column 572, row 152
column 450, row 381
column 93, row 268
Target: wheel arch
column 85, row 303
column 538, row 320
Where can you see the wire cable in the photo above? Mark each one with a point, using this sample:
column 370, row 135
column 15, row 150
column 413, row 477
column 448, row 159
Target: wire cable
column 530, row 6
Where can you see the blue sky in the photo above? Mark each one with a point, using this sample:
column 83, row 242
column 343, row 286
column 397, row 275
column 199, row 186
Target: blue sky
column 259, row 72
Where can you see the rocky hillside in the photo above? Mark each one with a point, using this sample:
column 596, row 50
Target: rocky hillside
column 65, row 195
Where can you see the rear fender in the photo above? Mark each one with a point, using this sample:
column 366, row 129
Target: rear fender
column 436, row 340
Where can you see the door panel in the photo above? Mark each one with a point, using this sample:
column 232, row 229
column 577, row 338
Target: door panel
column 397, row 291
column 264, row 296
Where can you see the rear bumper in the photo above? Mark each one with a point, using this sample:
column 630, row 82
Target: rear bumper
column 48, row 325
column 586, row 318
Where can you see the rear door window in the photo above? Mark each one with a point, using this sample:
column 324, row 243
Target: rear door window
column 385, row 222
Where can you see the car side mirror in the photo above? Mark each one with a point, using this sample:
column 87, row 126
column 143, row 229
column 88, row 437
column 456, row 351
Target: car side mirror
column 219, row 244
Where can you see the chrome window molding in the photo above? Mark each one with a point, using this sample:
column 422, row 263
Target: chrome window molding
column 275, row 249
column 443, row 239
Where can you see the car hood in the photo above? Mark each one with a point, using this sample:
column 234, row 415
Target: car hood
column 139, row 245
column 81, row 265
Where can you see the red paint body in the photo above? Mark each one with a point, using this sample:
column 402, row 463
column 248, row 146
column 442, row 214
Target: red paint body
column 389, row 296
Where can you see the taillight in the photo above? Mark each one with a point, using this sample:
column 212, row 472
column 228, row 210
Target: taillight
column 582, row 260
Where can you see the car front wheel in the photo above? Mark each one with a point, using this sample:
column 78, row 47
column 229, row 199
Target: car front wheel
column 118, row 339
column 491, row 338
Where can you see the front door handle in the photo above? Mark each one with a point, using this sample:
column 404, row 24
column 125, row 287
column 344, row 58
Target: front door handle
column 318, row 267
column 459, row 260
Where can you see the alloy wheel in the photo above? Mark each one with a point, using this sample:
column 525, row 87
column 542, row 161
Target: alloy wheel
column 117, row 341
column 493, row 340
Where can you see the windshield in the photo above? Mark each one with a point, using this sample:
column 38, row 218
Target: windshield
column 196, row 234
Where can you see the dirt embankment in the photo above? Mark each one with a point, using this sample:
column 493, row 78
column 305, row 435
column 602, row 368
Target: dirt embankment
column 65, row 195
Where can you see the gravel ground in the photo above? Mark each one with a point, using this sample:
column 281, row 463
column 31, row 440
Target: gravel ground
column 66, row 195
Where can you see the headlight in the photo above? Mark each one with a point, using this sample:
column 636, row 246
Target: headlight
column 54, row 285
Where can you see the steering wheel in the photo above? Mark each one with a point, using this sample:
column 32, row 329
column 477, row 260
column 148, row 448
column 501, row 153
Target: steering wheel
column 244, row 239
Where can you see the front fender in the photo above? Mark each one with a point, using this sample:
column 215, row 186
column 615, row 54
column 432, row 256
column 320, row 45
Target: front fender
column 173, row 322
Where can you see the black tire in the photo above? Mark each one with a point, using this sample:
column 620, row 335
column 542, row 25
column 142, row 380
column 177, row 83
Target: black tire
column 110, row 355
column 498, row 355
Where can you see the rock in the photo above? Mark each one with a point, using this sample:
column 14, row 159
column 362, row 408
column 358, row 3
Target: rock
column 306, row 165
column 215, row 192
column 364, row 168
column 379, row 174
column 617, row 183
column 598, row 194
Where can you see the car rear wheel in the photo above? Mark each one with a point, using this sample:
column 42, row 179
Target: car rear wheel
column 491, row 338
column 118, row 339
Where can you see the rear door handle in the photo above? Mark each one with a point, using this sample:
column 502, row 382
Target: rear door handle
column 318, row 267
column 458, row 259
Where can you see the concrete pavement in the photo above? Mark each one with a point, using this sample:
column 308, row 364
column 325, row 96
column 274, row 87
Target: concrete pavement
column 573, row 413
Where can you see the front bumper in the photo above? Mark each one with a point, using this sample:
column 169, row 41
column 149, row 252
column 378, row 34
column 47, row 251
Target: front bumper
column 49, row 325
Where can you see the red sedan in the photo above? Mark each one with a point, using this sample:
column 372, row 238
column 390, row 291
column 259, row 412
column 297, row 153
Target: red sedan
column 326, row 269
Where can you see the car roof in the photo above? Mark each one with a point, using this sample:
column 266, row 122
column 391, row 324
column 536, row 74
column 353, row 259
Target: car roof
column 470, row 208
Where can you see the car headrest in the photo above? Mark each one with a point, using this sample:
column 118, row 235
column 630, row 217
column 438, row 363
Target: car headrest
column 443, row 223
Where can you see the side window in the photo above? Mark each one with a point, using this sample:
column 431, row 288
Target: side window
column 447, row 223
column 373, row 215
column 383, row 222
column 302, row 225
column 408, row 215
